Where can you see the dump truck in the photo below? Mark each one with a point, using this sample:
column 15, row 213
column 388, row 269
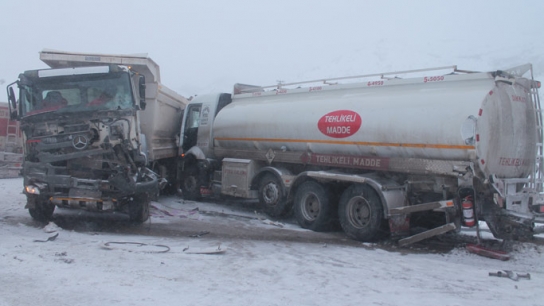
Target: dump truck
column 378, row 154
column 100, row 133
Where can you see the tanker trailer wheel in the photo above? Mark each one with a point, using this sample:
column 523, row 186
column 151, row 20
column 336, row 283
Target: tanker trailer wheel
column 361, row 213
column 272, row 197
column 138, row 208
column 190, row 186
column 42, row 208
column 312, row 206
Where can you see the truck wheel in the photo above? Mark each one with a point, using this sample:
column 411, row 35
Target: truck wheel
column 312, row 207
column 272, row 197
column 361, row 213
column 190, row 186
column 43, row 209
column 138, row 209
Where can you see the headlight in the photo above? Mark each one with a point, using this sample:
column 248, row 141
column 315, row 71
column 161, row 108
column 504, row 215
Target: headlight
column 31, row 189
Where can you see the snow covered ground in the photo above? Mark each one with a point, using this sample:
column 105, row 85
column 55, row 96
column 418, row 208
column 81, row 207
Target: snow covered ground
column 264, row 264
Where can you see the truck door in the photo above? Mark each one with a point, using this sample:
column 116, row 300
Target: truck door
column 190, row 131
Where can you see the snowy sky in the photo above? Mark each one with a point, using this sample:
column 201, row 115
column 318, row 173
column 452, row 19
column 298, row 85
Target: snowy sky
column 208, row 45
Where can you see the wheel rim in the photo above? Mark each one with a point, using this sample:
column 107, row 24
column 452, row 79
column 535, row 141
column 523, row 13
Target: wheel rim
column 358, row 212
column 310, row 207
column 271, row 193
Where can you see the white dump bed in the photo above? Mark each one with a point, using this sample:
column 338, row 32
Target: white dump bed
column 140, row 63
column 161, row 120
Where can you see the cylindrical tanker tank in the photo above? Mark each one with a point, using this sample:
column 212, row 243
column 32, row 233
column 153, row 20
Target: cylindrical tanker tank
column 468, row 117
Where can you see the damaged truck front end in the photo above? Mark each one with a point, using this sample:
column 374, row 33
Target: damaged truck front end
column 82, row 142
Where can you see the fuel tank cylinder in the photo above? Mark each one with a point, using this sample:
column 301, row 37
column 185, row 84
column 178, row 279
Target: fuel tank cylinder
column 469, row 117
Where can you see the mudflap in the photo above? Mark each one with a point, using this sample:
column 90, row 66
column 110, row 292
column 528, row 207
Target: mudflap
column 399, row 225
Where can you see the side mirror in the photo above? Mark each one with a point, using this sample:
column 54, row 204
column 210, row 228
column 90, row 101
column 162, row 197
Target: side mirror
column 141, row 87
column 12, row 104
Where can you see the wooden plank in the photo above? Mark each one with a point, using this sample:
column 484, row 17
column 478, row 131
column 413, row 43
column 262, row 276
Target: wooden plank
column 427, row 234
column 414, row 208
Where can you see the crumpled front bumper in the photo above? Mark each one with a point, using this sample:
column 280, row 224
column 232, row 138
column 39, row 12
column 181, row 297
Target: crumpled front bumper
column 91, row 194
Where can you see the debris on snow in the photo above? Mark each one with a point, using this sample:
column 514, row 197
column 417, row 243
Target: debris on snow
column 52, row 238
column 63, row 258
column 51, row 227
column 159, row 210
column 205, row 250
column 199, row 234
column 511, row 275
column 487, row 252
column 273, row 223
column 137, row 247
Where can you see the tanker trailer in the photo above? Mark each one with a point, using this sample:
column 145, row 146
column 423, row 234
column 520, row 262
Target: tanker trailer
column 382, row 156
column 96, row 128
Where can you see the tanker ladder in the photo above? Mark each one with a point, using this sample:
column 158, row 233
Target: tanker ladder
column 539, row 165
column 529, row 200
column 439, row 205
column 537, row 182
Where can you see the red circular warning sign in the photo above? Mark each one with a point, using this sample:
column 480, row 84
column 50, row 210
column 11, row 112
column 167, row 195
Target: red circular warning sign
column 340, row 123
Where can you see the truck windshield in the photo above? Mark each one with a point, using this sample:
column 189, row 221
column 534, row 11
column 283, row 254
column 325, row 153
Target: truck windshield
column 76, row 93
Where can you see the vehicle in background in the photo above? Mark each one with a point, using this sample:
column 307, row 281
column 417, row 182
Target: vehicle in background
column 11, row 147
column 10, row 134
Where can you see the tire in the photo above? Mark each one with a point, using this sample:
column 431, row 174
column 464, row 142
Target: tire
column 312, row 206
column 361, row 213
column 190, row 185
column 43, row 208
column 272, row 196
column 138, row 209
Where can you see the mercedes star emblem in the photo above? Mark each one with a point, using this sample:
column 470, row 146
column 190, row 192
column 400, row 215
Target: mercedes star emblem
column 80, row 142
